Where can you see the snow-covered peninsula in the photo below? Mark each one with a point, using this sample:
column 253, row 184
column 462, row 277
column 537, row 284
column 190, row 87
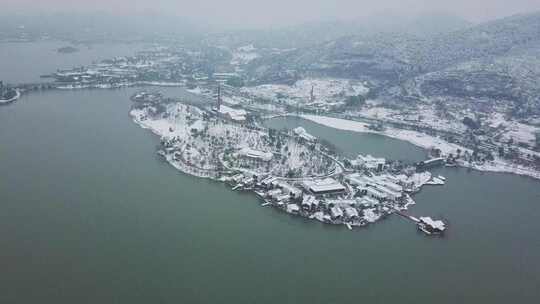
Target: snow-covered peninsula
column 291, row 171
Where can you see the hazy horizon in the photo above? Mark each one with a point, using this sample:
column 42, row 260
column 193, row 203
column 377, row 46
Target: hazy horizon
column 276, row 13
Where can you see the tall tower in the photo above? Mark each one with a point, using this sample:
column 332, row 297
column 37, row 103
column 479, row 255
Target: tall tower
column 311, row 95
column 219, row 97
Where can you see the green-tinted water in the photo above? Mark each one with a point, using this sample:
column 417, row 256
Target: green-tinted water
column 351, row 143
column 25, row 62
column 89, row 214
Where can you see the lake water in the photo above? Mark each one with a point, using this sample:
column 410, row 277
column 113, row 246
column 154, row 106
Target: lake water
column 351, row 143
column 25, row 62
column 90, row 214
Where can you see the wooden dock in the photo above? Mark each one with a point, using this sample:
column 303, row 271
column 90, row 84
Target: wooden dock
column 407, row 216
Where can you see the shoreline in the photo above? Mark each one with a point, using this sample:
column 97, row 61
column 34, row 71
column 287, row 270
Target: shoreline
column 120, row 85
column 11, row 100
column 418, row 139
column 177, row 165
column 373, row 212
column 415, row 138
column 73, row 87
column 423, row 141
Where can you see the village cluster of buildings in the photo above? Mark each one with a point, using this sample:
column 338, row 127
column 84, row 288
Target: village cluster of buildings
column 369, row 162
column 161, row 66
column 353, row 199
column 382, row 187
column 362, row 192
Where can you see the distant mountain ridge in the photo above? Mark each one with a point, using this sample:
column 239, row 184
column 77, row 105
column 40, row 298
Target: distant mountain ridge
column 496, row 38
column 494, row 60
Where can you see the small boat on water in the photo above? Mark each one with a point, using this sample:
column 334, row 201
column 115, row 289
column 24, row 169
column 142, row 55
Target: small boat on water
column 441, row 178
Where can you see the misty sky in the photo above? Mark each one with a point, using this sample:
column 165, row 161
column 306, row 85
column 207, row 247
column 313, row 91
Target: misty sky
column 260, row 13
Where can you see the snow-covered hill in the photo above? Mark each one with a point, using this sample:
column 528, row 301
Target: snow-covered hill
column 498, row 60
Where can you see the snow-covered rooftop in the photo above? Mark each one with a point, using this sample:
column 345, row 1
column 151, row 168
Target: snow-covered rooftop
column 292, row 208
column 336, row 212
column 235, row 114
column 252, row 153
column 304, row 134
column 325, row 185
column 435, row 224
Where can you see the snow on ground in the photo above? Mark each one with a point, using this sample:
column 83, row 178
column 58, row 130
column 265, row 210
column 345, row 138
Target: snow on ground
column 325, row 90
column 378, row 112
column 423, row 141
column 202, row 143
column 423, row 116
column 319, row 216
column 427, row 116
column 370, row 215
column 519, row 132
column 418, row 179
column 499, row 165
column 244, row 55
column 246, row 48
column 161, row 127
column 240, row 58
column 416, row 138
column 234, row 100
column 161, row 83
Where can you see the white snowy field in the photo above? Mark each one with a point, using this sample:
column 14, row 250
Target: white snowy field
column 424, row 116
column 424, row 141
column 325, row 90
column 416, row 138
column 499, row 165
column 244, row 55
column 514, row 130
column 203, row 142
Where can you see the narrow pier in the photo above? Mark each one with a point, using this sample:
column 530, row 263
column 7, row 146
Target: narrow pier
column 407, row 216
column 425, row 224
